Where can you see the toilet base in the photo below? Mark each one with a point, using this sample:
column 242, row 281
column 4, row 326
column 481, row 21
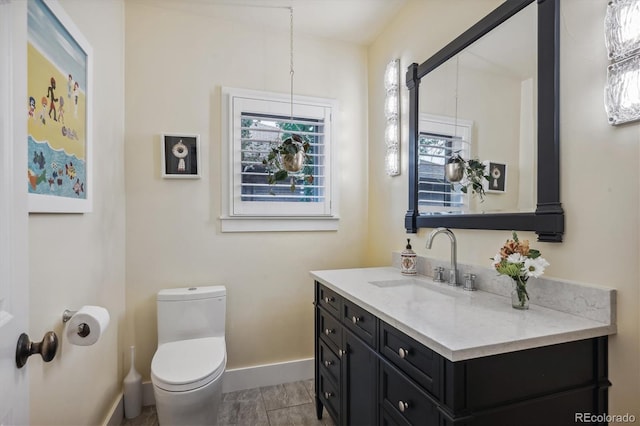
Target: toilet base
column 195, row 407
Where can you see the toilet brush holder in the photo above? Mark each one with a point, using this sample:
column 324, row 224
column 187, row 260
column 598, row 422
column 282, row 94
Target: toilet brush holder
column 132, row 390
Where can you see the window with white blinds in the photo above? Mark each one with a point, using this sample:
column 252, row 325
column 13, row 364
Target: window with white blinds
column 438, row 140
column 259, row 134
column 258, row 122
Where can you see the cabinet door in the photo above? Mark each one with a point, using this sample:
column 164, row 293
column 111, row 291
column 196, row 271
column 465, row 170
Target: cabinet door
column 359, row 386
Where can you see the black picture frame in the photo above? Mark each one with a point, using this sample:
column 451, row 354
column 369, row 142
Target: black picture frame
column 180, row 156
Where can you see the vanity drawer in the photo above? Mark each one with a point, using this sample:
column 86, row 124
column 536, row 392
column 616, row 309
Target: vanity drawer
column 361, row 322
column 329, row 395
column 329, row 362
column 404, row 401
column 329, row 328
column 328, row 299
column 387, row 419
column 419, row 362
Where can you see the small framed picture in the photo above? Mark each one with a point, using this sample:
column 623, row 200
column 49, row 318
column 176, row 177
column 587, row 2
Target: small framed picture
column 180, row 156
column 497, row 177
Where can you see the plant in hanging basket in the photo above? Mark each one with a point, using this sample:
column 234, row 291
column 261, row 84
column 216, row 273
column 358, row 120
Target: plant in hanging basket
column 287, row 160
column 470, row 174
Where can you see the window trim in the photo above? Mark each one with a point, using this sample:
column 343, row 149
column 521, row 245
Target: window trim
column 231, row 222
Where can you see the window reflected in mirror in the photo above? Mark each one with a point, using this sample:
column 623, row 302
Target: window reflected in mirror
column 488, row 96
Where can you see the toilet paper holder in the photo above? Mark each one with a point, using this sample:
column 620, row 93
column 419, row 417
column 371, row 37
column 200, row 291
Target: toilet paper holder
column 83, row 329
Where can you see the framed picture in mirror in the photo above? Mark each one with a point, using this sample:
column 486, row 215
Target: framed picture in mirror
column 497, row 173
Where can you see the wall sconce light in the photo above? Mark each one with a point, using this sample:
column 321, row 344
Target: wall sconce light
column 622, row 38
column 392, row 115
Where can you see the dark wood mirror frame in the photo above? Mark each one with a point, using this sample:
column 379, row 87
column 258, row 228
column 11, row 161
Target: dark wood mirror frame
column 548, row 219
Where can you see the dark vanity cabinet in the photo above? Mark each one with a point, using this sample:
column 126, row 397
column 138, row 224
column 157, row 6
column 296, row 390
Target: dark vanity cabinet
column 346, row 368
column 369, row 373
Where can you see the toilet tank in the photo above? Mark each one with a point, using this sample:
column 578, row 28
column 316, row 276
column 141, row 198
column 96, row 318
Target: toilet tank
column 191, row 313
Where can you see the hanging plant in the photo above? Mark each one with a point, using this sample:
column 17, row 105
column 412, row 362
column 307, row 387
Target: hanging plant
column 470, row 174
column 286, row 160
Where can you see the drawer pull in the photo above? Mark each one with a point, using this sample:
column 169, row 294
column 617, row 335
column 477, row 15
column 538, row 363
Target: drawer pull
column 403, row 352
column 402, row 406
column 329, row 331
column 328, row 363
column 329, row 299
column 328, row 395
column 356, row 319
column 341, row 352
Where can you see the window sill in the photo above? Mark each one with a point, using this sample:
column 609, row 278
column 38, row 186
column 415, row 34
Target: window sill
column 278, row 224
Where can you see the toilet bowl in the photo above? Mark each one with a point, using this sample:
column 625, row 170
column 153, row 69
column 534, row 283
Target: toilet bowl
column 187, row 369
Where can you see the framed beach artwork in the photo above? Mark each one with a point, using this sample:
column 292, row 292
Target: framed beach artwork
column 497, row 177
column 59, row 72
column 180, row 156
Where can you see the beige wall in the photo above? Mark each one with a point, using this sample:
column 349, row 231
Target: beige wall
column 176, row 64
column 599, row 172
column 78, row 259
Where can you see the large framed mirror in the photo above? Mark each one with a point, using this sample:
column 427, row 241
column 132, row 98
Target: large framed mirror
column 491, row 95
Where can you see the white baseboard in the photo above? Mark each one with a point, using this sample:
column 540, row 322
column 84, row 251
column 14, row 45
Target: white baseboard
column 116, row 413
column 252, row 377
column 267, row 375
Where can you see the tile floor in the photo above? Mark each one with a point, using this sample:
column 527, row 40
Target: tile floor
column 286, row 404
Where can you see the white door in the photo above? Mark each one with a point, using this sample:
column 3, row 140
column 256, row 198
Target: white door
column 14, row 295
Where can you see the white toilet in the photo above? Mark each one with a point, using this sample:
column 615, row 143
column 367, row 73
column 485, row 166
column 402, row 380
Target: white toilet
column 187, row 369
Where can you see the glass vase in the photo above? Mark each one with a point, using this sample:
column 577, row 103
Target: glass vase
column 519, row 295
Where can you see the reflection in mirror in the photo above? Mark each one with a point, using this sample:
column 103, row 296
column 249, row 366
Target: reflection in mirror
column 492, row 94
column 481, row 103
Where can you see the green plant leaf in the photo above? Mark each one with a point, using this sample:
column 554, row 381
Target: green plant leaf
column 281, row 175
column 533, row 253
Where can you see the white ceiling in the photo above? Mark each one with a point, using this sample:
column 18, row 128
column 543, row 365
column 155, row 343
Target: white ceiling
column 356, row 21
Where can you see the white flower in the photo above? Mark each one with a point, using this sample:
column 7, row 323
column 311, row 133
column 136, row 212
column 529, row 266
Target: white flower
column 497, row 259
column 515, row 258
column 534, row 267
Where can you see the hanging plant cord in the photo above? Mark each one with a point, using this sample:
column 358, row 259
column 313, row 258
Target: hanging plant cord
column 287, row 160
column 291, row 72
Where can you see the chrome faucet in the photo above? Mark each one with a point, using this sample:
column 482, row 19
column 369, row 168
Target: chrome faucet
column 453, row 272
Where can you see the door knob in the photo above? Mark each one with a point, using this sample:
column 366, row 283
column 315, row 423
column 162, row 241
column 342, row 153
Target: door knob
column 46, row 348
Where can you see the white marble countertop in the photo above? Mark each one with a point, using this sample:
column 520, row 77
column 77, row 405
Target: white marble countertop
column 456, row 323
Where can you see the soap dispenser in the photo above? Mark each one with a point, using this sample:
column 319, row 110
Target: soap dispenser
column 408, row 260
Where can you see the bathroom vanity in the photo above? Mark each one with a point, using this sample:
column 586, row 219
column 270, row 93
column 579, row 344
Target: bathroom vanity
column 398, row 350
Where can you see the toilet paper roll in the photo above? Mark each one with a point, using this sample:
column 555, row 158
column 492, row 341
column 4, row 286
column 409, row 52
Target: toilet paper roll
column 87, row 325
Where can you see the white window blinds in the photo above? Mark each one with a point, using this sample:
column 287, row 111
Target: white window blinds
column 261, row 132
column 439, row 139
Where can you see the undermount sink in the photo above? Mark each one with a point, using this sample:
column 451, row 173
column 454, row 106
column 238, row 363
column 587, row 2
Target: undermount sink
column 395, row 283
column 437, row 290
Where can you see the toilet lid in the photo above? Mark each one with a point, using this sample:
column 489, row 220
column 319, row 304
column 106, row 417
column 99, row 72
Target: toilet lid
column 188, row 364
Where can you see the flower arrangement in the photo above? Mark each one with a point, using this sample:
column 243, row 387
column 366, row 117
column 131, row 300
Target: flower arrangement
column 520, row 262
